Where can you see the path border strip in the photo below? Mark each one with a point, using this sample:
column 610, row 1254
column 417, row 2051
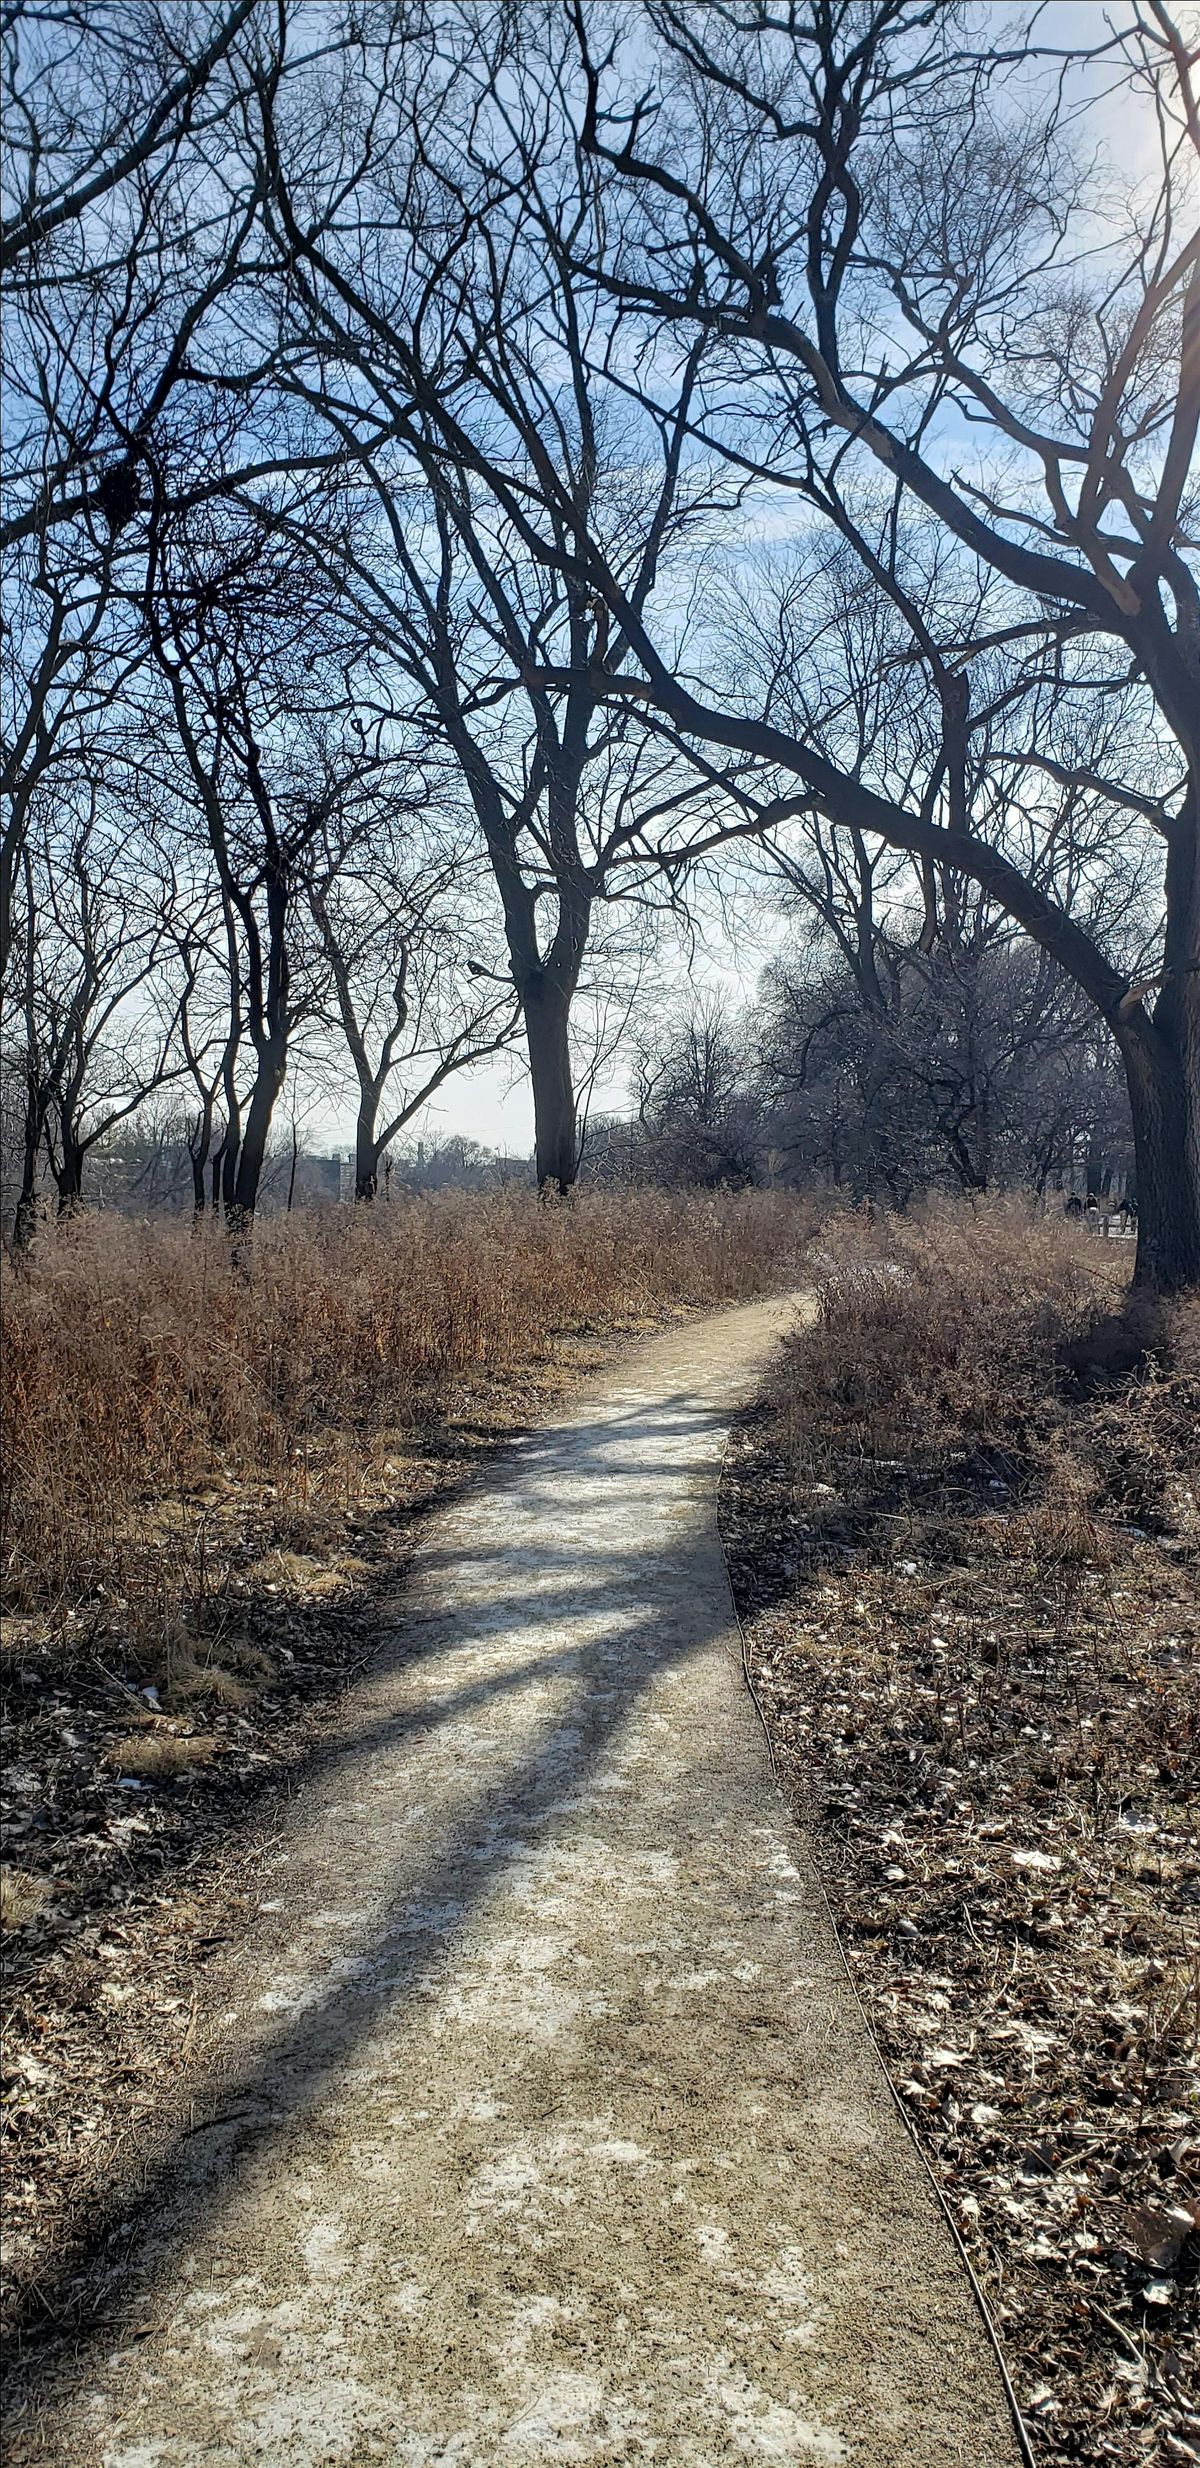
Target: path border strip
column 1019, row 2427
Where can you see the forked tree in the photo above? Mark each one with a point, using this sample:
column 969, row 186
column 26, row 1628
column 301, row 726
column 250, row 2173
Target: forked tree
column 399, row 919
column 93, row 999
column 245, row 651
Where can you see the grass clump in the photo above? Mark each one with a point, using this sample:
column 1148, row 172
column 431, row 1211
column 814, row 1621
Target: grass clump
column 161, row 1755
column 939, row 1333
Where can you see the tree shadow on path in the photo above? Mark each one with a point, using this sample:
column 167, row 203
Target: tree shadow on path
column 225, row 2119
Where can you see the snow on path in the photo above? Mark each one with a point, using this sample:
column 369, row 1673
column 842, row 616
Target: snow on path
column 545, row 2127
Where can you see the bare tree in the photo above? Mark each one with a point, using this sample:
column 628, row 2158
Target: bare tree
column 983, row 1068
column 237, row 635
column 951, row 1008
column 97, row 1031
column 448, row 353
column 209, row 1026
column 887, row 235
column 696, row 1105
column 396, row 924
column 130, row 220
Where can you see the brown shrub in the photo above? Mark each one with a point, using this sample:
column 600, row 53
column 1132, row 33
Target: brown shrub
column 938, row 1333
column 1144, row 1431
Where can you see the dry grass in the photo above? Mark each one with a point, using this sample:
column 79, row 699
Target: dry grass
column 23, row 1896
column 161, row 1755
column 970, row 1579
column 147, row 1380
column 936, row 1333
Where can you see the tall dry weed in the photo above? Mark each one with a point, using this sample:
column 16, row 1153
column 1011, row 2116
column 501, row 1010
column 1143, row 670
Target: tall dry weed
column 954, row 1334
column 143, row 1372
column 940, row 1331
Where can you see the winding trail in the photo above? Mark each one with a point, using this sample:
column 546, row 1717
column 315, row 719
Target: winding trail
column 544, row 2126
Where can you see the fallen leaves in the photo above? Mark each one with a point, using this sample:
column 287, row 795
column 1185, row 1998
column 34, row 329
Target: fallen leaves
column 997, row 1762
column 1159, row 2237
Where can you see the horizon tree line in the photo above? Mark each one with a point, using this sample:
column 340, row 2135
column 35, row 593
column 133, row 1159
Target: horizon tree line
column 484, row 481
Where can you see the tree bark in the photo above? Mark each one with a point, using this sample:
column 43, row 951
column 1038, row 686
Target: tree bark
column 366, row 1154
column 546, row 1010
column 367, row 1144
column 199, row 1149
column 68, row 1174
column 1162, row 1069
column 272, row 1071
column 1158, row 1069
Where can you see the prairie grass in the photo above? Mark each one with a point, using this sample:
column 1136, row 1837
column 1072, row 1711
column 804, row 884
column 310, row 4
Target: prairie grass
column 148, row 1379
column 964, row 1336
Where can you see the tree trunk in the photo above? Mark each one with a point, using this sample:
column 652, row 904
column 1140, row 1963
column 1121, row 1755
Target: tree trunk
column 198, row 1148
column 68, row 1175
column 1162, row 1069
column 546, row 1008
column 272, row 1071
column 25, row 1218
column 229, row 1173
column 232, row 1141
column 1165, row 1112
column 366, row 1150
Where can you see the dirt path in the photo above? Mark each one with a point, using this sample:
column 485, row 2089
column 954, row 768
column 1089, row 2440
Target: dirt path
column 543, row 2127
